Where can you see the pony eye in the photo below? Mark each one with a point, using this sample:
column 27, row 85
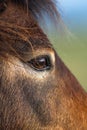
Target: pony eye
column 41, row 63
column 3, row 5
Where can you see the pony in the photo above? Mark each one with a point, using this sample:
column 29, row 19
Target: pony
column 37, row 90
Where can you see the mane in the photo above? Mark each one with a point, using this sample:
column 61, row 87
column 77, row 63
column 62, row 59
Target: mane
column 47, row 14
column 40, row 7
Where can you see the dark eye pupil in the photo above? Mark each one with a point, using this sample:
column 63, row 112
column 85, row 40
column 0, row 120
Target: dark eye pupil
column 41, row 63
column 3, row 5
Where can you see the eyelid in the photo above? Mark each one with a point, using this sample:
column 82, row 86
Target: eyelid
column 38, row 52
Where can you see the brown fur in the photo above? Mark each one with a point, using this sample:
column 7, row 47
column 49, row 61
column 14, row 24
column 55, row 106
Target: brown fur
column 32, row 100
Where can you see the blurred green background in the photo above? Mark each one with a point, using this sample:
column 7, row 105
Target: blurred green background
column 73, row 52
column 73, row 49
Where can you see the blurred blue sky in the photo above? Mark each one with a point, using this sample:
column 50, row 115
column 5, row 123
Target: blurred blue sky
column 73, row 4
column 74, row 13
